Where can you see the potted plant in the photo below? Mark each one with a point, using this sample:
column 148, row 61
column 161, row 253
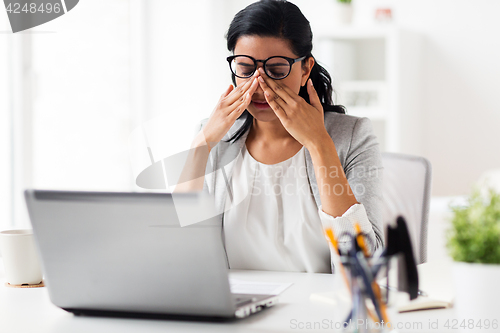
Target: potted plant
column 474, row 245
column 342, row 14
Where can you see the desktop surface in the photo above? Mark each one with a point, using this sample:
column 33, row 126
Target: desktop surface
column 30, row 310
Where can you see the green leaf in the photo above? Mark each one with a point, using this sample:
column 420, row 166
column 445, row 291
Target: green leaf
column 475, row 229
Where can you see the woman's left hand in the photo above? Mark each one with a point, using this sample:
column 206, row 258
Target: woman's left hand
column 304, row 121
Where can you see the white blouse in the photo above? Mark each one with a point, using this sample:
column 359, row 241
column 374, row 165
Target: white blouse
column 274, row 223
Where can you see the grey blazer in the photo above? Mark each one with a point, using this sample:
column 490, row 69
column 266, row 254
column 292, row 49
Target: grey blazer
column 358, row 152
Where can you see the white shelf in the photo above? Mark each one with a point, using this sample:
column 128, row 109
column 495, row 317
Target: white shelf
column 376, row 74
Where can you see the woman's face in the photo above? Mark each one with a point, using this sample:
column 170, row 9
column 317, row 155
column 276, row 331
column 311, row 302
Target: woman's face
column 261, row 48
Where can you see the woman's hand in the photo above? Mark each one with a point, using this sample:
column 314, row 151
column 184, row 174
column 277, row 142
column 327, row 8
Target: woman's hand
column 304, row 121
column 231, row 105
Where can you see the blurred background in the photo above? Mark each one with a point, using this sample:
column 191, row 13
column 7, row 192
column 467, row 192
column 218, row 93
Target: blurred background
column 83, row 96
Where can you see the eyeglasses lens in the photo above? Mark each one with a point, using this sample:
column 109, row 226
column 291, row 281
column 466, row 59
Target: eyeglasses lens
column 243, row 66
column 276, row 68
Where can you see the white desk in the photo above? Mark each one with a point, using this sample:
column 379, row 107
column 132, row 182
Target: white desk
column 30, row 310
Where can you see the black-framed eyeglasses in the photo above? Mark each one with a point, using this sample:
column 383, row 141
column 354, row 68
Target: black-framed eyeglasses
column 277, row 67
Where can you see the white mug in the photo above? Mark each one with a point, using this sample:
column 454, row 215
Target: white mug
column 20, row 257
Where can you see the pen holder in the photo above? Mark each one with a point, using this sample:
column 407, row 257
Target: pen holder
column 368, row 312
column 360, row 271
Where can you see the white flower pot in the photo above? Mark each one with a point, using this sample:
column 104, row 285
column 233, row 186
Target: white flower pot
column 342, row 13
column 477, row 296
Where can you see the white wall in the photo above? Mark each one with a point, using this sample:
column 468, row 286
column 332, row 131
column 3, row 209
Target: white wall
column 81, row 109
column 5, row 135
column 460, row 74
column 185, row 72
column 460, row 69
column 64, row 106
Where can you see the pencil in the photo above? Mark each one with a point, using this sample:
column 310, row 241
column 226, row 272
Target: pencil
column 333, row 241
column 360, row 239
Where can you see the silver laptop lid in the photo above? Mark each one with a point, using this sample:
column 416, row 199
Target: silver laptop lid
column 116, row 251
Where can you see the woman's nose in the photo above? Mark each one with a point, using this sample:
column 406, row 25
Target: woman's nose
column 259, row 90
column 259, row 65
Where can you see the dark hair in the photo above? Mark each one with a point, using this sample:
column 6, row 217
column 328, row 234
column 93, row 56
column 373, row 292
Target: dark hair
column 282, row 19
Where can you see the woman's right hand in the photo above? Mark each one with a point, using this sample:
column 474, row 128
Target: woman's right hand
column 230, row 106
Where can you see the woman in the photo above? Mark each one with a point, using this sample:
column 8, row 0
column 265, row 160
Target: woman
column 287, row 161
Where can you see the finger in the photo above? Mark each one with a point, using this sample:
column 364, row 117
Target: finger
column 237, row 93
column 253, row 87
column 313, row 96
column 228, row 90
column 271, row 95
column 276, row 106
column 240, row 91
column 240, row 105
column 224, row 95
column 281, row 90
column 239, row 108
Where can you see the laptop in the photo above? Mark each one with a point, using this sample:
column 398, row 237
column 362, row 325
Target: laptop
column 135, row 253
